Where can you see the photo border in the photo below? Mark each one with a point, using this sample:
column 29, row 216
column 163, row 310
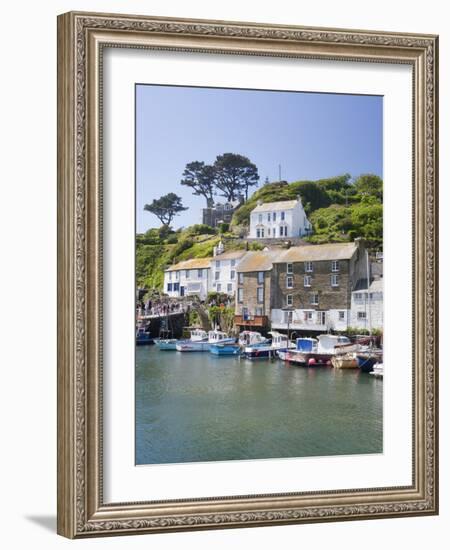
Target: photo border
column 81, row 39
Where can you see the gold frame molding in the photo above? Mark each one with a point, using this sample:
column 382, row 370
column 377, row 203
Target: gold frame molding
column 81, row 39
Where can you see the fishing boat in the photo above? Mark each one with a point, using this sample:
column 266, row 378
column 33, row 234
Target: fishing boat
column 196, row 343
column 225, row 348
column 249, row 338
column 368, row 358
column 378, row 370
column 270, row 349
column 302, row 345
column 345, row 361
column 312, row 352
column 167, row 344
column 143, row 337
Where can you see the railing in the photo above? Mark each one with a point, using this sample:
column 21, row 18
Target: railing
column 298, row 325
column 251, row 320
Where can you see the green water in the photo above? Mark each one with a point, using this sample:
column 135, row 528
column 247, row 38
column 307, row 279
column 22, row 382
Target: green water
column 193, row 407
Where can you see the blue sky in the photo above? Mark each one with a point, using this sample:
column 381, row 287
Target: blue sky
column 311, row 135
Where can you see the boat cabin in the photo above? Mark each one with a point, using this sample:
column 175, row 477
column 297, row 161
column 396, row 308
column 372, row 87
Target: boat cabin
column 306, row 344
column 216, row 336
column 249, row 338
column 328, row 343
column 198, row 334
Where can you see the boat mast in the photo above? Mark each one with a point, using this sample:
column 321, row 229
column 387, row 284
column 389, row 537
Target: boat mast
column 368, row 293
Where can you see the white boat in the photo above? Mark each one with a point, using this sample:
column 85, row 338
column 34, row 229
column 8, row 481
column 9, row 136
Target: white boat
column 310, row 351
column 378, row 370
column 278, row 343
column 249, row 338
column 204, row 344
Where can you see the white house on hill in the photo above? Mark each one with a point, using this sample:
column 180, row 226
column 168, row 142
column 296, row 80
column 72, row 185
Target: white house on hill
column 275, row 220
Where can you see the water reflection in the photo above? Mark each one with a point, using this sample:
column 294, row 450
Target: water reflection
column 196, row 407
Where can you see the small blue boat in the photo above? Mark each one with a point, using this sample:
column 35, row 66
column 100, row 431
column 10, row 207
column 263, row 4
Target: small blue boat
column 225, row 348
column 167, row 344
column 143, row 337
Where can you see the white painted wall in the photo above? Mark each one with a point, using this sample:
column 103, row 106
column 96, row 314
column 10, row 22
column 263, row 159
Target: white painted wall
column 223, row 275
column 294, row 219
column 194, row 281
column 301, row 319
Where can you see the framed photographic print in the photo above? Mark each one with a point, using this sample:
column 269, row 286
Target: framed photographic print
column 247, row 284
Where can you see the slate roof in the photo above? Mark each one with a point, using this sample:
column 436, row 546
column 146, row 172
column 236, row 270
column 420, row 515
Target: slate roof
column 196, row 263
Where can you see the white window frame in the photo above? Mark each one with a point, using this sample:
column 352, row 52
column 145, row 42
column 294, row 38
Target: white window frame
column 217, row 263
column 240, row 295
column 261, row 277
column 258, row 233
column 289, row 300
column 260, row 294
column 335, row 266
column 334, row 280
column 241, row 278
column 232, row 274
column 200, row 273
column 309, row 268
column 274, row 216
column 289, row 268
column 282, row 216
column 219, row 287
column 341, row 315
column 187, row 273
column 217, row 275
column 290, row 279
column 307, row 280
column 230, row 287
column 314, row 299
column 361, row 316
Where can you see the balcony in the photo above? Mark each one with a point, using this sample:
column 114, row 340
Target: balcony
column 298, row 325
column 251, row 321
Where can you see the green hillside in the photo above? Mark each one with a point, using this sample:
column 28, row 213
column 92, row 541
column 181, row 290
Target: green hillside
column 339, row 209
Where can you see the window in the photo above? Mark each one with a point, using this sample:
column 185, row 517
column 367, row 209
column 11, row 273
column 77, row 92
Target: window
column 289, row 282
column 217, row 263
column 307, row 280
column 268, row 217
column 361, row 314
column 289, row 299
column 233, row 263
column 229, row 287
column 289, row 268
column 241, row 278
column 260, row 218
column 260, row 294
column 217, row 275
column 177, row 275
column 199, row 273
column 358, row 296
column 176, row 287
column 334, row 280
column 321, row 317
column 342, row 316
column 260, row 277
column 308, row 267
column 274, row 216
column 170, row 275
column 240, row 295
column 282, row 216
column 314, row 298
column 335, row 266
column 245, row 313
column 258, row 311
column 308, row 315
column 268, row 232
column 187, row 274
column 232, row 274
column 258, row 234
column 169, row 287
column 219, row 287
column 262, row 233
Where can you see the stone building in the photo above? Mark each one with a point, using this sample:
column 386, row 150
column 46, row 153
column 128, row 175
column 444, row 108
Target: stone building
column 253, row 290
column 220, row 213
column 188, row 278
column 312, row 286
column 275, row 220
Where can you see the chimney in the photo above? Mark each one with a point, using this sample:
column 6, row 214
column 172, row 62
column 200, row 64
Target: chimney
column 259, row 203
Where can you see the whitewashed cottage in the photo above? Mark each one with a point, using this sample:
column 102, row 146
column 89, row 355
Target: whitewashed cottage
column 275, row 220
column 367, row 306
column 188, row 278
column 223, row 269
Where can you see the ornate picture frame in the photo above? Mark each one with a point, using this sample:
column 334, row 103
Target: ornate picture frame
column 82, row 38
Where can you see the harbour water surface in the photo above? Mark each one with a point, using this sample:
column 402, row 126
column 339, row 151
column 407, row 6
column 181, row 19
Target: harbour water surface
column 196, row 407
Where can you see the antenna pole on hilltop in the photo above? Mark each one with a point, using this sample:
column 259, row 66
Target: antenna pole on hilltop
column 279, row 172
